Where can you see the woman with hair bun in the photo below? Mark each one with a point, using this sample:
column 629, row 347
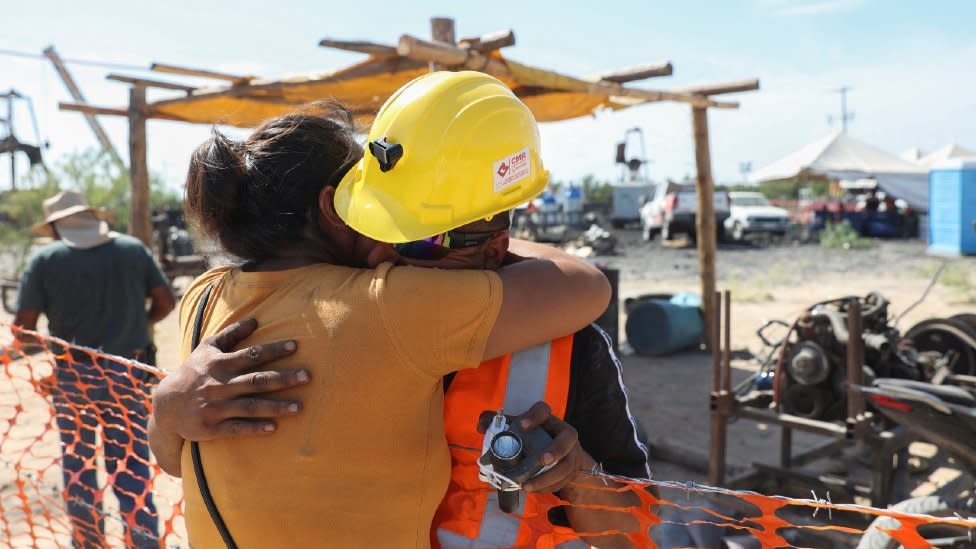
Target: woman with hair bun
column 365, row 463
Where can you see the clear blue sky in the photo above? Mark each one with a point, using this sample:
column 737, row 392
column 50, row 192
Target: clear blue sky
column 912, row 66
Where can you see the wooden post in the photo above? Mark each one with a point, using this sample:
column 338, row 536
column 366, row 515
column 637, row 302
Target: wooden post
column 140, row 225
column 705, row 222
column 442, row 30
column 719, row 425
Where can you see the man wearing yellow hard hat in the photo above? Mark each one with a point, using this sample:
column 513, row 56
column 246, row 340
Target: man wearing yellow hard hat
column 448, row 156
column 455, row 193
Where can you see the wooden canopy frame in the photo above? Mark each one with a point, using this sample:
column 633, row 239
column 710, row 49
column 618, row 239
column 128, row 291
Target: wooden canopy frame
column 444, row 51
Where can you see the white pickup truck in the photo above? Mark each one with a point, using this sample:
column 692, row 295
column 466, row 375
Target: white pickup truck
column 753, row 214
column 672, row 209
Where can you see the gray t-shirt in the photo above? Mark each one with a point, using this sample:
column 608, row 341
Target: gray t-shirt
column 94, row 297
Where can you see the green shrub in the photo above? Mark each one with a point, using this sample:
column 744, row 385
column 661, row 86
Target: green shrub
column 842, row 235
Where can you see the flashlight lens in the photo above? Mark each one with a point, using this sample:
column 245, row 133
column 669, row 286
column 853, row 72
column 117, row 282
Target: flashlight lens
column 506, row 446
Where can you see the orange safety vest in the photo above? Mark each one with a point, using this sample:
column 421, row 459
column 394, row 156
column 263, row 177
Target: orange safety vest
column 469, row 515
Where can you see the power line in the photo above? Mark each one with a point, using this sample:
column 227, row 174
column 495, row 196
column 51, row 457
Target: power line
column 86, row 62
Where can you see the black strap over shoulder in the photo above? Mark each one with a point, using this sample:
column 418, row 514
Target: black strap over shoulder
column 195, row 447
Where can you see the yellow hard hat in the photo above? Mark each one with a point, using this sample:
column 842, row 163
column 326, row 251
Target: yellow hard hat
column 445, row 150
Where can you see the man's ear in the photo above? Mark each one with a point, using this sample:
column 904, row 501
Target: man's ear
column 327, row 211
column 495, row 250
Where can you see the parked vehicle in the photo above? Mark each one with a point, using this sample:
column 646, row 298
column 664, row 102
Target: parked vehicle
column 751, row 214
column 634, row 184
column 944, row 415
column 626, row 202
column 672, row 208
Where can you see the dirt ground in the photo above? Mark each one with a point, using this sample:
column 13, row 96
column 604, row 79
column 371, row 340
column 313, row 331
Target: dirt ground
column 669, row 395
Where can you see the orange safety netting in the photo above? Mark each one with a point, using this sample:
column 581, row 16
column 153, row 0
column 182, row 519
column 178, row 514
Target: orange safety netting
column 74, row 458
column 75, row 467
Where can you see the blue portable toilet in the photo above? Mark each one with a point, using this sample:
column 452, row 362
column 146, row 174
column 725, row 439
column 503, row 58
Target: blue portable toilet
column 952, row 207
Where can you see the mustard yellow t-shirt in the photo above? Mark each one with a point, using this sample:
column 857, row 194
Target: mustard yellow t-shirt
column 366, row 463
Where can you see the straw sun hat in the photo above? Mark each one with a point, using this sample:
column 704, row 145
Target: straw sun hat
column 70, row 218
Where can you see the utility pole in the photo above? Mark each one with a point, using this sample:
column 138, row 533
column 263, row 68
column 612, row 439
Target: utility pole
column 845, row 115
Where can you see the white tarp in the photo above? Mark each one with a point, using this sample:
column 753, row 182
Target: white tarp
column 839, row 156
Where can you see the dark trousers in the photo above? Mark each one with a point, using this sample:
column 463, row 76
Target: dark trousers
column 112, row 397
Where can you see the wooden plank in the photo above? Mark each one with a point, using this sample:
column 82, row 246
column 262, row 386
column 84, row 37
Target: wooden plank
column 359, row 46
column 705, row 223
column 92, row 109
column 489, row 42
column 639, row 72
column 725, row 87
column 140, row 224
column 202, row 73
column 453, row 56
column 135, row 80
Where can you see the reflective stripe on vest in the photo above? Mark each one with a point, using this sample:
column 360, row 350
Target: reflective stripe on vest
column 536, row 374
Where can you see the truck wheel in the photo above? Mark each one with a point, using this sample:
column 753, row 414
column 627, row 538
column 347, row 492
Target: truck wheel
column 720, row 234
column 738, row 231
column 617, row 224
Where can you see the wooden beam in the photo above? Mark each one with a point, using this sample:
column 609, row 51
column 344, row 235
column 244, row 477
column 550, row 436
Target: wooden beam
column 140, row 224
column 489, row 42
column 75, row 92
column 92, row 109
column 453, row 56
column 359, row 46
column 202, row 73
column 705, row 224
column 137, row 81
column 442, row 31
column 725, row 87
column 640, row 72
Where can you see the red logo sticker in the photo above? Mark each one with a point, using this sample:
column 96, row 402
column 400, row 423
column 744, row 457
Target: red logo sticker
column 503, row 169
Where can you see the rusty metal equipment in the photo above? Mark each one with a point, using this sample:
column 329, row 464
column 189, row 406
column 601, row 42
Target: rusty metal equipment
column 859, row 426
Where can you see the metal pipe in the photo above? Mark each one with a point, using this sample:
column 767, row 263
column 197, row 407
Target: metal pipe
column 855, row 362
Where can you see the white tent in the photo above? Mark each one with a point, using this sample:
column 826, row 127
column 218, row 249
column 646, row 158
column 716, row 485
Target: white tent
column 945, row 153
column 912, row 155
column 839, row 156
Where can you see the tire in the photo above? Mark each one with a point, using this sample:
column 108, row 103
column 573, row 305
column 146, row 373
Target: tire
column 617, row 224
column 875, row 538
column 720, row 235
column 738, row 232
column 666, row 233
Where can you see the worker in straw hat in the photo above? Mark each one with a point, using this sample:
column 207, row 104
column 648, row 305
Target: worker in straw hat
column 93, row 284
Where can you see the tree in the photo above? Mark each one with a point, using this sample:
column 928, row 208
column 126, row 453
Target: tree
column 596, row 191
column 91, row 172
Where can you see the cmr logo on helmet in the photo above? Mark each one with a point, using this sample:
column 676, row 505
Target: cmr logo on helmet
column 511, row 169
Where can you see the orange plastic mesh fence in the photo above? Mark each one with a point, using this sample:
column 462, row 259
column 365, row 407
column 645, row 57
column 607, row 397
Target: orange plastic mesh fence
column 74, row 459
column 75, row 467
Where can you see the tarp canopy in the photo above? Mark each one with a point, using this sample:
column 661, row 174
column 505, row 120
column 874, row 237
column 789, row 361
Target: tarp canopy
column 840, row 156
column 363, row 88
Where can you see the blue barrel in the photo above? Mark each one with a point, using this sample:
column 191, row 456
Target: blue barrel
column 659, row 327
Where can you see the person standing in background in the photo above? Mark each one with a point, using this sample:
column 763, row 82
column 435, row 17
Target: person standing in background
column 93, row 285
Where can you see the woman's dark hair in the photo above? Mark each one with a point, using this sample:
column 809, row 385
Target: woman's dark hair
column 258, row 196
